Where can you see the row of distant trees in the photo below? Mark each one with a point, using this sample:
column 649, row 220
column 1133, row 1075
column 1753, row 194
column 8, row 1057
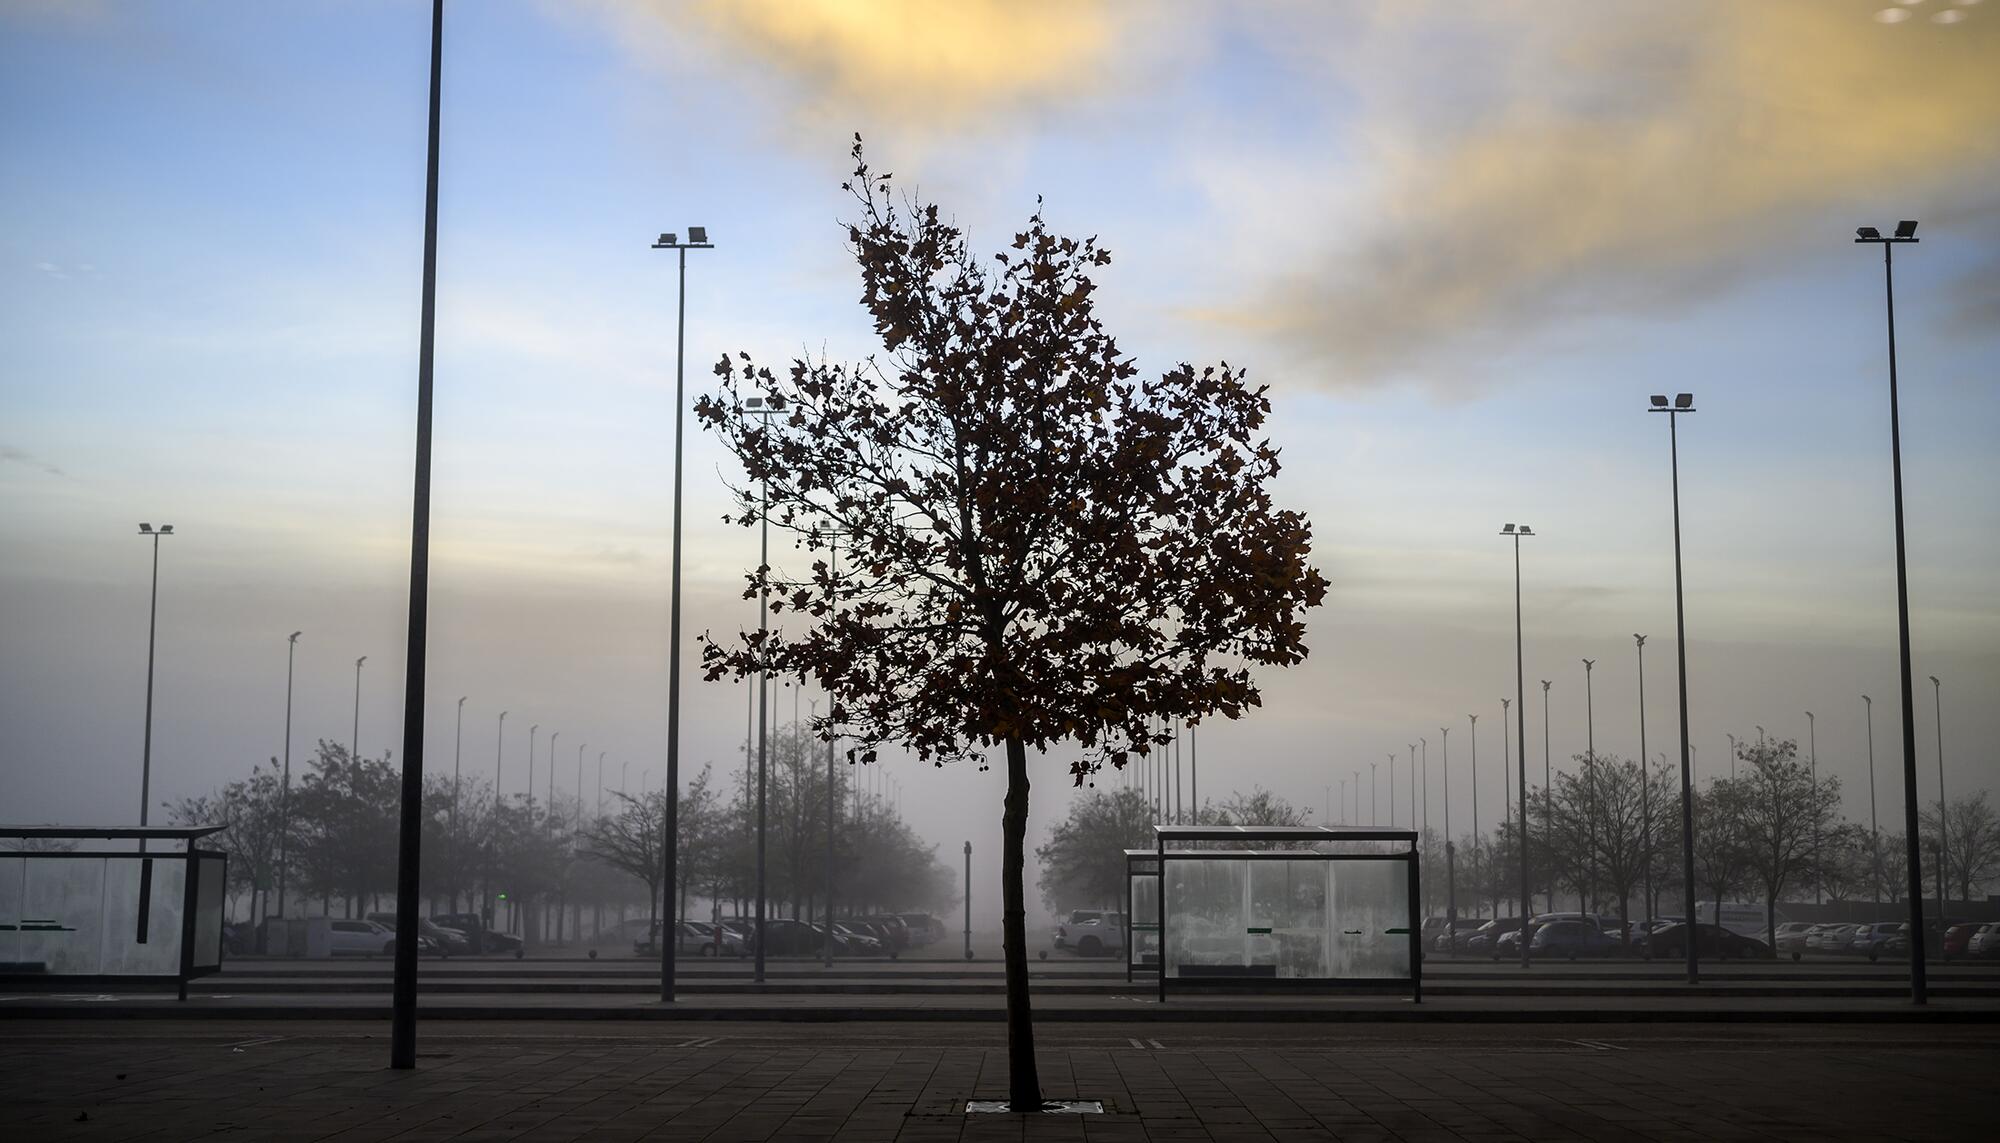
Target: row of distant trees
column 331, row 843
column 1772, row 832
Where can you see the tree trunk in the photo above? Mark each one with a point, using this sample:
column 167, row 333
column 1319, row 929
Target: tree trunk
column 1024, row 1085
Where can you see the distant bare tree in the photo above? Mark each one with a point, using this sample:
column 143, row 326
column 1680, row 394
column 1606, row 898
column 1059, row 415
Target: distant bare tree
column 1972, row 842
column 1783, row 813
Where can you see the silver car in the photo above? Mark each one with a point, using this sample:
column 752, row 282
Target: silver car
column 1867, row 940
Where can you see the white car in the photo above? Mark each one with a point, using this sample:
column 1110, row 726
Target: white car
column 1092, row 932
column 360, row 938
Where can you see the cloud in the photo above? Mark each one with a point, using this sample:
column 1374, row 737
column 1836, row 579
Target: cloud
column 1453, row 184
column 1548, row 163
column 920, row 69
column 22, row 456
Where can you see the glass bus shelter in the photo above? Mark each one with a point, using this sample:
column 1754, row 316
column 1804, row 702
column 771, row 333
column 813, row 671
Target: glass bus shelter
column 72, row 915
column 1275, row 907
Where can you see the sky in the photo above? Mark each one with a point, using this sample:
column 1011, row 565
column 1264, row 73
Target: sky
column 1462, row 243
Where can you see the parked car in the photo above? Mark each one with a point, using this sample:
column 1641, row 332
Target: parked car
column 1572, row 939
column 367, row 938
column 696, row 939
column 1076, row 917
column 448, row 941
column 1955, row 938
column 478, row 935
column 1984, row 943
column 895, row 932
column 1832, row 938
column 1792, row 938
column 924, row 928
column 1508, row 945
column 1867, row 940
column 1712, row 941
column 1485, row 939
column 1101, row 935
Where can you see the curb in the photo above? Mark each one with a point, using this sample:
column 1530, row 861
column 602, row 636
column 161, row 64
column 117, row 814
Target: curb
column 1908, row 1014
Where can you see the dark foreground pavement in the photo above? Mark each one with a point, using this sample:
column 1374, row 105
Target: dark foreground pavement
column 156, row 1080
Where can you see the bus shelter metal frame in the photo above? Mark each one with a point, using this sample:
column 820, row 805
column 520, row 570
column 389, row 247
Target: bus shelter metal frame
column 189, row 854
column 1294, row 836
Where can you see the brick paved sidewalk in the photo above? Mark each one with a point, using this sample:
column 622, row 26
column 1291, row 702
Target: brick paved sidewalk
column 143, row 1082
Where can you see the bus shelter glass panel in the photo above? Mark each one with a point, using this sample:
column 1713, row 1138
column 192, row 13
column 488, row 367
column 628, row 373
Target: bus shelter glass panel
column 1305, row 917
column 160, row 953
column 208, row 903
column 61, row 915
column 1144, row 950
column 1371, row 914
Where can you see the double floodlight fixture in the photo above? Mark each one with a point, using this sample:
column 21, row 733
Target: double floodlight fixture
column 1683, row 403
column 1906, row 231
column 164, row 530
column 697, row 237
column 764, row 405
column 1512, row 530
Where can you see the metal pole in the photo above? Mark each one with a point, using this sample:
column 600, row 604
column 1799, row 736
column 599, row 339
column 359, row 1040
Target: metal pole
column 1521, row 733
column 146, row 747
column 1812, row 739
column 1687, row 770
column 1912, row 824
column 968, row 900
column 1590, row 782
column 1392, row 788
column 1194, row 772
column 1944, row 811
column 1450, row 873
column 1548, row 786
column 409, row 874
column 1473, row 735
column 1505, row 765
column 763, row 703
column 1645, row 787
column 1874, row 823
column 285, row 796
column 457, row 749
column 354, row 734
column 499, row 755
column 831, row 798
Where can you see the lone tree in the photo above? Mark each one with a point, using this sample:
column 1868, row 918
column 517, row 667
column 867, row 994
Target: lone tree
column 1037, row 546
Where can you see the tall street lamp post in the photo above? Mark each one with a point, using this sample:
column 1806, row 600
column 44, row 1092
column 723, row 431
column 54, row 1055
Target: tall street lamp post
column 1645, row 784
column 1874, row 823
column 1521, row 728
column 499, row 756
column 1944, row 808
column 765, row 407
column 1505, row 704
column 1590, row 784
column 457, row 750
column 409, row 877
column 285, row 787
column 146, row 742
column 1812, row 748
column 354, row 733
column 1906, row 231
column 1392, row 789
column 968, row 900
column 1682, row 403
column 1450, row 871
column 670, row 825
column 1473, row 734
column 1548, row 785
